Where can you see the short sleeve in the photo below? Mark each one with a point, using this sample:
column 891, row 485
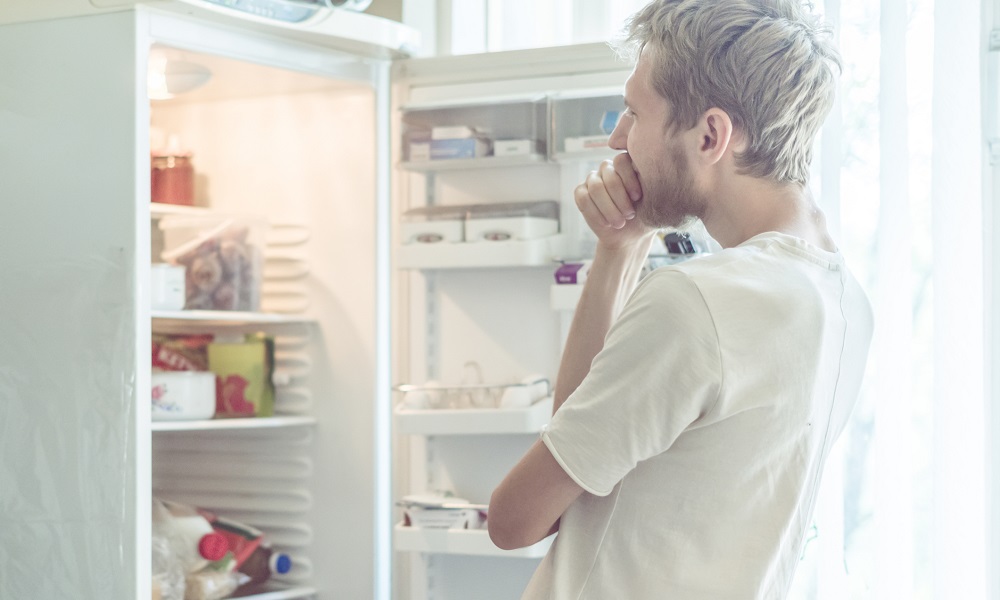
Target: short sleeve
column 659, row 372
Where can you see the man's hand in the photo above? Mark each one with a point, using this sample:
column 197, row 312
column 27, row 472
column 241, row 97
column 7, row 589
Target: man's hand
column 607, row 199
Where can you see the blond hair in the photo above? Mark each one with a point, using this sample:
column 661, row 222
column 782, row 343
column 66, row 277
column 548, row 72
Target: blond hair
column 768, row 63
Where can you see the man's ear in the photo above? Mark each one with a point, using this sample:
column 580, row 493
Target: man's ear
column 716, row 134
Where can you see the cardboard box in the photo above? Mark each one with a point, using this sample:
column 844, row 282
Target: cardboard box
column 453, row 132
column 514, row 147
column 587, row 142
column 243, row 371
column 573, row 273
column 420, row 151
column 460, row 148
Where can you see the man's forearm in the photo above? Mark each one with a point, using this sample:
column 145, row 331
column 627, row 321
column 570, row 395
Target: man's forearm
column 612, row 277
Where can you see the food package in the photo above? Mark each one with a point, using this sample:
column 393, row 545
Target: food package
column 181, row 352
column 222, row 258
column 442, row 511
column 244, row 370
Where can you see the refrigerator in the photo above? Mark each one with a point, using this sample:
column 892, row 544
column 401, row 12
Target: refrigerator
column 320, row 130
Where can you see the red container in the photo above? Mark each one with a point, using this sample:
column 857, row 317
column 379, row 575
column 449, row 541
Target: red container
column 172, row 179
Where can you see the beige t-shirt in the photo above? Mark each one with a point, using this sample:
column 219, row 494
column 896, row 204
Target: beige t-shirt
column 701, row 430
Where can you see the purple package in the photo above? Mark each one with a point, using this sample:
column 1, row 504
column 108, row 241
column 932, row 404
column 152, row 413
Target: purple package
column 571, row 273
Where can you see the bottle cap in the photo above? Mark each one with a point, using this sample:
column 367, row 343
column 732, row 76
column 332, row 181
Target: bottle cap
column 213, row 546
column 280, row 563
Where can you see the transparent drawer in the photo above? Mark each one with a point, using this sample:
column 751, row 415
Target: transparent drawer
column 497, row 127
column 583, row 124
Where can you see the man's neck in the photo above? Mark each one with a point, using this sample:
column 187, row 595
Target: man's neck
column 749, row 206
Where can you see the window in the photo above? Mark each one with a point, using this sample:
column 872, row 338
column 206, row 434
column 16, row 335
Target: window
column 899, row 172
column 496, row 25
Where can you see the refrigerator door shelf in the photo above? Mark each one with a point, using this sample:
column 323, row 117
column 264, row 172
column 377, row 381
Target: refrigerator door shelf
column 465, row 164
column 474, row 542
column 508, row 253
column 474, row 421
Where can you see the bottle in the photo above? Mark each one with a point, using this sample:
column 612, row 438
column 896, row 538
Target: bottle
column 260, row 565
column 197, row 544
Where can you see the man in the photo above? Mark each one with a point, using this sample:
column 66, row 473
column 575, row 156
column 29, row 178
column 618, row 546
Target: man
column 695, row 410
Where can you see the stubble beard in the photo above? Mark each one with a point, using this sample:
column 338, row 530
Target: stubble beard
column 672, row 200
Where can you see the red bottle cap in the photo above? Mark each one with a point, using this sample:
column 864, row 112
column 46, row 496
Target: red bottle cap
column 213, row 546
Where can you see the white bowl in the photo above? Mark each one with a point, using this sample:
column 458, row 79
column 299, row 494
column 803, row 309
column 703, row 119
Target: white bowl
column 183, row 395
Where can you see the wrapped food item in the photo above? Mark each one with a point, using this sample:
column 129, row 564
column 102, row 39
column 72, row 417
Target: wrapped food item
column 222, row 259
column 215, row 581
column 181, row 352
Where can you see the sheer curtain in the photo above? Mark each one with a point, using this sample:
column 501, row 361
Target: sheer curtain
column 899, row 171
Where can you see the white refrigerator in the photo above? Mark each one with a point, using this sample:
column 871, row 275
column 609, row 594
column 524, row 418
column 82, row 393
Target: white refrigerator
column 319, row 129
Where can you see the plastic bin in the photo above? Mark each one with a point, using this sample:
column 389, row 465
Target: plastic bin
column 434, row 224
column 512, row 221
column 222, row 256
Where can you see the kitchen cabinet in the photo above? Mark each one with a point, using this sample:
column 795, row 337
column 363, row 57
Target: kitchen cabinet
column 306, row 131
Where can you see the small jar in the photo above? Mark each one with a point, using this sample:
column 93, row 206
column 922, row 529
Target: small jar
column 172, row 178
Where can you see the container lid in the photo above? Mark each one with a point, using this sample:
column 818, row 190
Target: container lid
column 546, row 209
column 280, row 563
column 213, row 546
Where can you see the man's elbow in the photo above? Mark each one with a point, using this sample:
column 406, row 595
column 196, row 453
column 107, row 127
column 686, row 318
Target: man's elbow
column 507, row 538
column 506, row 530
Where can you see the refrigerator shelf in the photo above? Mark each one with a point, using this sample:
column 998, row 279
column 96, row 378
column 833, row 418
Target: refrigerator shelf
column 586, row 155
column 474, row 421
column 485, row 162
column 283, row 593
column 511, row 253
column 226, row 317
column 233, row 424
column 472, row 542
column 158, row 210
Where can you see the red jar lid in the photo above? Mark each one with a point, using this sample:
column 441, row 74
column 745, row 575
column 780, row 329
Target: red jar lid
column 213, row 546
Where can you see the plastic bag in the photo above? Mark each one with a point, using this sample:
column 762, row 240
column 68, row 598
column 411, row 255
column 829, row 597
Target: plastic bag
column 168, row 572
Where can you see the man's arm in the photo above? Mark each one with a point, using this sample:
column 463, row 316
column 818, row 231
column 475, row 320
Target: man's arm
column 527, row 504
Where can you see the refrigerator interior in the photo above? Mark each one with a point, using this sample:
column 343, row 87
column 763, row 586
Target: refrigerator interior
column 299, row 150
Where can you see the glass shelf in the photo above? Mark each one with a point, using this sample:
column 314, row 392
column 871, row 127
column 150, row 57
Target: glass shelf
column 226, row 317
column 276, row 592
column 158, row 210
column 233, row 424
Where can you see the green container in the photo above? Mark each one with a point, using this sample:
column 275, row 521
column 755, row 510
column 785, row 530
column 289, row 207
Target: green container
column 243, row 376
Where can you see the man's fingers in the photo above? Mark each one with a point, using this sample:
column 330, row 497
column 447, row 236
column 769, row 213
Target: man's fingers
column 626, row 171
column 603, row 202
column 616, row 188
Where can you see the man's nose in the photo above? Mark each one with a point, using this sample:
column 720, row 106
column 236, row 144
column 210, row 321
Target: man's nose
column 619, row 136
